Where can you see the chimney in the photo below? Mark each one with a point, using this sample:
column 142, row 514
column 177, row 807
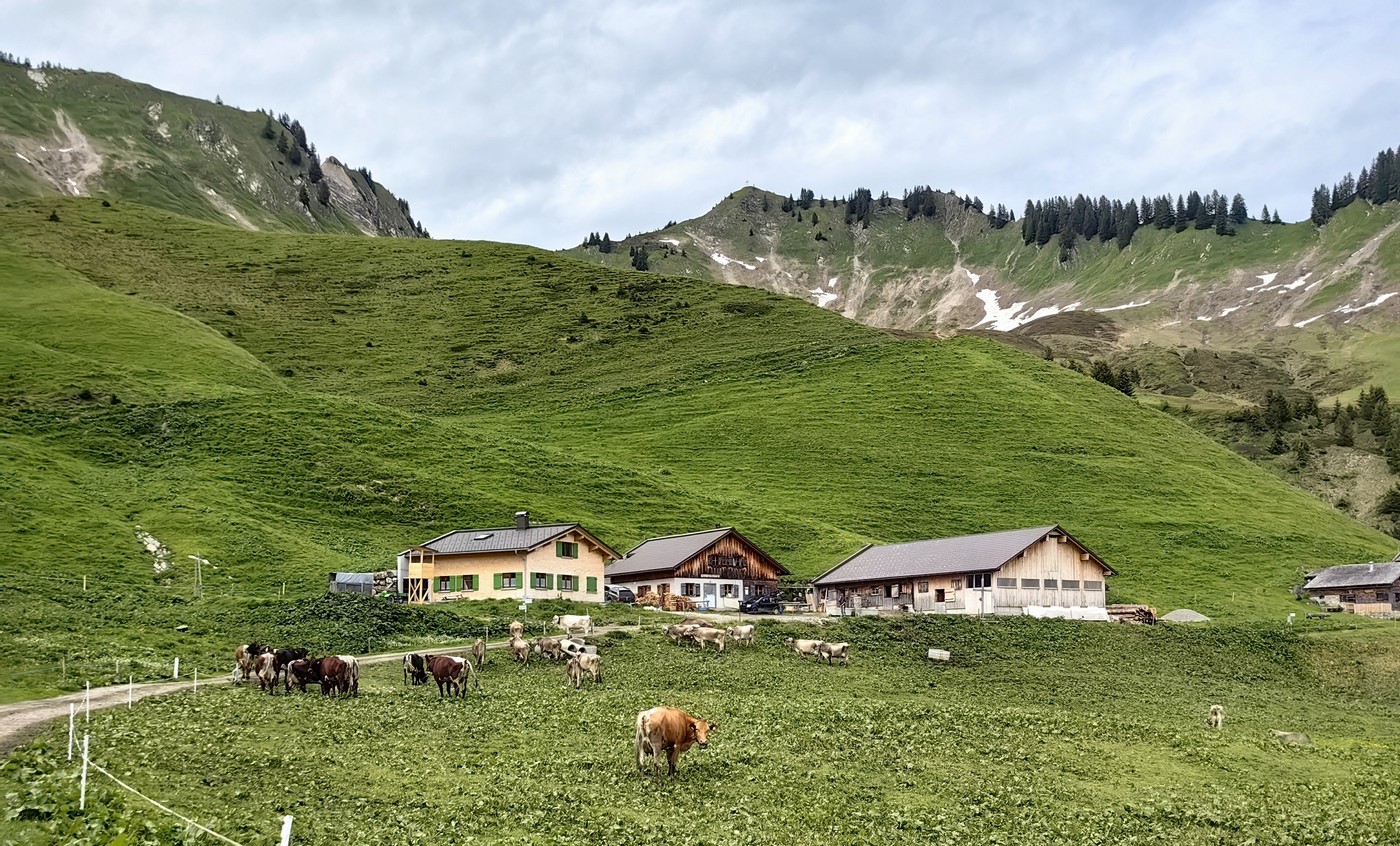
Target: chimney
column 522, row 520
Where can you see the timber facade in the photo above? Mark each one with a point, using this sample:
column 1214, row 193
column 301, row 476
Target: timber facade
column 717, row 569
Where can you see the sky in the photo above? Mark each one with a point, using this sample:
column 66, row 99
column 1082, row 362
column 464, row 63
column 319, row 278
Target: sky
column 540, row 122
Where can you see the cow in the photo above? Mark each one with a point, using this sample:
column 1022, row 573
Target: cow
column 267, row 672
column 517, row 628
column 286, row 656
column 591, row 664
column 680, row 631
column 453, row 674
column 582, row 623
column 669, row 730
column 301, row 672
column 705, row 634
column 574, row 673
column 415, row 669
column 519, row 649
column 350, row 678
column 1216, row 718
column 1290, row 738
column 247, row 658
column 330, row 670
column 803, row 647
column 741, row 634
column 549, row 647
column 834, row 650
column 478, row 651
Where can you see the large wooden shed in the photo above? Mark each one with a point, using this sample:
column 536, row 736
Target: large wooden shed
column 717, row 569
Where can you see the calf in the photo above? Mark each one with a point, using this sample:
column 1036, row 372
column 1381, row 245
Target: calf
column 584, row 663
column 267, row 672
column 669, row 730
column 414, row 669
column 741, row 634
column 519, row 649
column 1290, row 738
column 834, row 650
column 680, row 631
column 479, row 653
column 1216, row 718
column 803, row 647
column 549, row 647
column 302, row 672
column 705, row 634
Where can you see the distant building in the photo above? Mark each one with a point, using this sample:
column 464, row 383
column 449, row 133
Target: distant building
column 1368, row 589
column 716, row 569
column 523, row 561
column 1042, row 571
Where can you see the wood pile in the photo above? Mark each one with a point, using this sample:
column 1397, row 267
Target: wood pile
column 676, row 602
column 649, row 600
column 1144, row 615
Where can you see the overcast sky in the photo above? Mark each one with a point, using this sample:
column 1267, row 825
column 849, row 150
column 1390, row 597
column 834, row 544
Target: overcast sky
column 539, row 122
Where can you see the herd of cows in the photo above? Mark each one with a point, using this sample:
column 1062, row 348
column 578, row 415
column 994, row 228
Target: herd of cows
column 660, row 730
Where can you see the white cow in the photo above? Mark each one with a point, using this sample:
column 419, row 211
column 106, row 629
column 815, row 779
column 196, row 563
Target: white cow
column 571, row 623
column 741, row 634
column 803, row 647
column 834, row 650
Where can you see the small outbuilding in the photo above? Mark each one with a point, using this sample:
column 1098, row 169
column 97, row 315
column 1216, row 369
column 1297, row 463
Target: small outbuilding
column 1371, row 589
column 1040, row 571
column 716, row 569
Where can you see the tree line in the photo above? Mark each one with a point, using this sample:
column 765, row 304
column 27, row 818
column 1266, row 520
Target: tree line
column 1378, row 183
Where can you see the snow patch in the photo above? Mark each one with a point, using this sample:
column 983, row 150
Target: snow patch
column 823, row 297
column 1346, row 309
column 1293, row 286
column 1265, row 280
column 724, row 261
column 1227, row 312
column 759, row 259
column 1121, row 307
column 1173, row 323
column 1204, row 319
column 26, row 161
column 1300, row 324
column 975, row 277
column 831, row 283
column 672, row 241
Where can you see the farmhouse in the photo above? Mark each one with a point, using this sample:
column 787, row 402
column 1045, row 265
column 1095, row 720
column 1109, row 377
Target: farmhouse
column 523, row 561
column 718, row 568
column 1368, row 589
column 1043, row 572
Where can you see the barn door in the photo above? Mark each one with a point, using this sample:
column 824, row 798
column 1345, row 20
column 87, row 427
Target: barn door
column 709, row 593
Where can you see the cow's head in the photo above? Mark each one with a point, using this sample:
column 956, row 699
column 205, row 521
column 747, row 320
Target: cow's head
column 701, row 731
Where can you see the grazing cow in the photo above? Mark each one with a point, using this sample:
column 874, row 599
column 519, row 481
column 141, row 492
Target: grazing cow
column 680, row 631
column 1216, row 718
column 591, row 664
column 519, row 649
column 803, row 647
column 267, row 672
column 350, row 679
column 340, row 674
column 574, row 672
column 286, row 656
column 479, row 653
column 453, row 674
column 1290, row 738
column 302, row 672
column 415, row 669
column 570, row 623
column 669, row 730
column 834, row 650
column 517, row 628
column 705, row 634
column 741, row 634
column 247, row 658
column 549, row 647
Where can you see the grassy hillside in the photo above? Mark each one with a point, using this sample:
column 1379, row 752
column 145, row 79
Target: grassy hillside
column 65, row 132
column 286, row 406
column 1038, row 731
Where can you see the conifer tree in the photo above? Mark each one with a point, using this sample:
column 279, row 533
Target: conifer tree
column 302, row 196
column 323, row 193
column 282, row 143
column 606, row 245
column 268, row 131
column 1239, row 213
column 1392, row 449
column 1181, row 219
column 1345, row 434
column 1321, row 206
column 1264, row 214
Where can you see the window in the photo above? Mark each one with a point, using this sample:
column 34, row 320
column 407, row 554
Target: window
column 542, row 581
column 979, row 580
column 661, row 590
column 1030, row 584
column 940, row 596
column 923, row 587
column 568, row 582
column 957, row 584
column 1006, row 583
column 1051, row 584
column 444, row 584
column 728, row 591
column 643, row 590
column 565, row 549
column 1069, row 584
column 874, row 590
column 690, row 588
column 507, row 581
column 1088, row 585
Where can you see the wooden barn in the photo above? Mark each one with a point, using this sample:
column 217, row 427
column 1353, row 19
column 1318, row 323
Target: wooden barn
column 717, row 569
column 1042, row 572
column 524, row 561
column 1367, row 589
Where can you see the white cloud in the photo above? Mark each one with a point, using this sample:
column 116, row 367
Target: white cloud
column 539, row 122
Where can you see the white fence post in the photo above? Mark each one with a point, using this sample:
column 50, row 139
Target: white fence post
column 128, row 691
column 287, row 830
column 177, row 668
column 196, row 680
column 87, row 701
column 72, row 714
column 82, row 789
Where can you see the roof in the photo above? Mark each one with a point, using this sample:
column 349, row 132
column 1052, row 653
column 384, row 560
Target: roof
column 1355, row 575
column 669, row 552
column 506, row 539
column 352, row 578
column 943, row 556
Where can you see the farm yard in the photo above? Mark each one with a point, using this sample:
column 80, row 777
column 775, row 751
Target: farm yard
column 1037, row 731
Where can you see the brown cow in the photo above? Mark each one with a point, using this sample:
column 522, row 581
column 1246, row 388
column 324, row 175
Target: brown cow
column 519, row 649
column 669, row 730
column 267, row 672
column 705, row 634
column 741, row 634
column 479, row 653
column 247, row 658
column 334, row 673
column 517, row 628
column 454, row 674
column 680, row 631
column 302, row 672
column 549, row 647
column 584, row 663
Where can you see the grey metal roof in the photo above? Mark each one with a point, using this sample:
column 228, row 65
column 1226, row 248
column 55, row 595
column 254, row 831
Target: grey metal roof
column 507, row 539
column 353, row 578
column 943, row 556
column 663, row 553
column 1355, row 575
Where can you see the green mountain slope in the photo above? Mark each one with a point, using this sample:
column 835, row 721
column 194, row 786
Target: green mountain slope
column 70, row 133
column 286, row 406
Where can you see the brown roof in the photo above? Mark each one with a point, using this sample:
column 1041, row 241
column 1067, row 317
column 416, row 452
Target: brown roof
column 507, row 539
column 670, row 551
column 942, row 556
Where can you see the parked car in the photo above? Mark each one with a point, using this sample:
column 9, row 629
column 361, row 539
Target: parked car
column 766, row 604
column 618, row 594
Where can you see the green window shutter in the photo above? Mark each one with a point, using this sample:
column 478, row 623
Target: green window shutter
column 558, row 549
column 473, row 582
column 549, row 581
column 592, row 584
column 496, row 577
column 454, row 583
column 520, row 579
